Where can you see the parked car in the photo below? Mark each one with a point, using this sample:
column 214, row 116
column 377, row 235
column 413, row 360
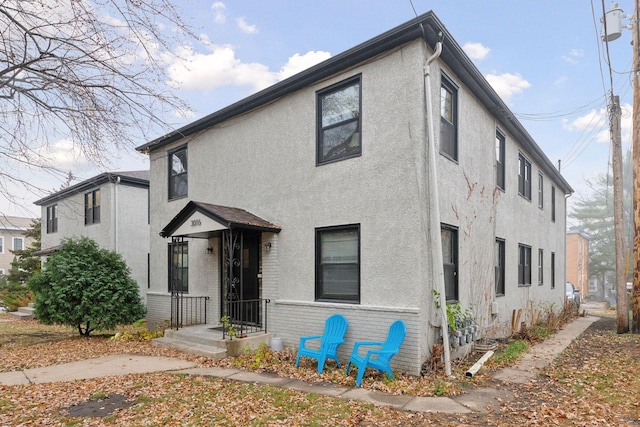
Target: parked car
column 573, row 294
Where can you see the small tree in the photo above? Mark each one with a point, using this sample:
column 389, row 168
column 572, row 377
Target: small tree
column 25, row 263
column 87, row 287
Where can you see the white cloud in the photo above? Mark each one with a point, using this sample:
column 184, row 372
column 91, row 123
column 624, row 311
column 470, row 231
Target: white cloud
column 507, row 84
column 219, row 67
column 65, row 155
column 593, row 120
column 572, row 56
column 183, row 113
column 298, row 63
column 219, row 8
column 245, row 27
column 476, row 50
column 598, row 120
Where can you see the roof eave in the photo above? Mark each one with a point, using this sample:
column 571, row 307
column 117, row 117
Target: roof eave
column 96, row 181
column 428, row 26
column 369, row 49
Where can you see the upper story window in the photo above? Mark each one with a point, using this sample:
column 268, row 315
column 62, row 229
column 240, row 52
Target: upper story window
column 18, row 243
column 553, row 203
column 449, row 236
column 540, row 191
column 524, row 265
column 1, row 245
column 524, row 177
column 52, row 219
column 92, row 207
column 338, row 263
column 339, row 121
column 500, row 147
column 448, row 118
column 178, row 176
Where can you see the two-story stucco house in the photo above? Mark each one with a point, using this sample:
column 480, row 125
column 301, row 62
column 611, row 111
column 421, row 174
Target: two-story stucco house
column 12, row 238
column 318, row 195
column 111, row 208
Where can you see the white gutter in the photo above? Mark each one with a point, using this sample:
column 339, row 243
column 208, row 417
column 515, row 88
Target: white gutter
column 434, row 214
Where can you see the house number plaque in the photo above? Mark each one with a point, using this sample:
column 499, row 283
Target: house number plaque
column 196, row 222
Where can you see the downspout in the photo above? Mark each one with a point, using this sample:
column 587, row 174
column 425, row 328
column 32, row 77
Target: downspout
column 564, row 266
column 115, row 215
column 434, row 224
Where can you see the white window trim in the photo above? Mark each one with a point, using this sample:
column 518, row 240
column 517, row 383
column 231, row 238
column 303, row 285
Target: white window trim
column 13, row 245
column 1, row 244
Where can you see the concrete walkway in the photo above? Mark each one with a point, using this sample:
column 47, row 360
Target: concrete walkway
column 525, row 370
column 117, row 364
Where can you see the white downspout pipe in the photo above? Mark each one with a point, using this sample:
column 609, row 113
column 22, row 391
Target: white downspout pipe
column 116, row 226
column 434, row 225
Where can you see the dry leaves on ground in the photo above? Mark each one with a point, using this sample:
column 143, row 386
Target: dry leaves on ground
column 592, row 383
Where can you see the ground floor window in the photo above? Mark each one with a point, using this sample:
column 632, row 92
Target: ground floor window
column 553, row 270
column 524, row 265
column 178, row 267
column 338, row 263
column 499, row 267
column 449, row 236
column 540, row 267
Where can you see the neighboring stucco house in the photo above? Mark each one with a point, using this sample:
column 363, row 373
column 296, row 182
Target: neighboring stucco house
column 578, row 260
column 12, row 238
column 316, row 194
column 112, row 209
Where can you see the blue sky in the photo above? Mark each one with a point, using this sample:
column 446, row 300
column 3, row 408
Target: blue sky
column 545, row 58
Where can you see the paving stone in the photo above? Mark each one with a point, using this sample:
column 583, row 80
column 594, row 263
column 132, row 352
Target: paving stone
column 379, row 398
column 435, row 404
column 261, row 378
column 326, row 389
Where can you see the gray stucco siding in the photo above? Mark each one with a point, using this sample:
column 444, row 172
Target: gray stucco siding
column 264, row 161
column 123, row 225
column 470, row 201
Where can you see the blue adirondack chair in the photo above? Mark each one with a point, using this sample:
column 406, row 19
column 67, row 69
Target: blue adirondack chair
column 378, row 358
column 334, row 329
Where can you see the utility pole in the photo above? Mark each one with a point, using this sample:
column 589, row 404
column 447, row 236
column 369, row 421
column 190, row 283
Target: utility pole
column 612, row 31
column 622, row 309
column 635, row 295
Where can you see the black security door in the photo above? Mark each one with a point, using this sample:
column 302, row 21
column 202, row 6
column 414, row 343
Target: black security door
column 241, row 282
column 250, row 266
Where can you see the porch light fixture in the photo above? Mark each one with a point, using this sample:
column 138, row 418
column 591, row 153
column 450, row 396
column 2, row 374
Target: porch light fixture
column 209, row 250
column 267, row 247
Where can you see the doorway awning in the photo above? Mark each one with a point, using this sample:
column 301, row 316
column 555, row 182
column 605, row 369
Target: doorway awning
column 202, row 220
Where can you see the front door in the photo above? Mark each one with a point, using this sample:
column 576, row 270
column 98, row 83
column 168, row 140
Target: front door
column 250, row 266
column 241, row 290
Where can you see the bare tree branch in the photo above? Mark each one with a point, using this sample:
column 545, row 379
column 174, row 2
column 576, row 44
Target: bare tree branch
column 88, row 71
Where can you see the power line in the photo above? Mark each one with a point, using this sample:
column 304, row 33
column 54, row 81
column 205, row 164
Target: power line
column 413, row 7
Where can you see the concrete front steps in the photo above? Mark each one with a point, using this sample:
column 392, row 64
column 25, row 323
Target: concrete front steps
column 205, row 341
column 23, row 313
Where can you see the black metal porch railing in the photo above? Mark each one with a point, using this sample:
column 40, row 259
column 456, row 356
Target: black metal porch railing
column 188, row 310
column 246, row 316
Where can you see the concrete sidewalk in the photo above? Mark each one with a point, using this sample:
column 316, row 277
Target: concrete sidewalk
column 540, row 356
column 117, row 364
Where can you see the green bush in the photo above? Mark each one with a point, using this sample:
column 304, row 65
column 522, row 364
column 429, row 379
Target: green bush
column 14, row 295
column 86, row 287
